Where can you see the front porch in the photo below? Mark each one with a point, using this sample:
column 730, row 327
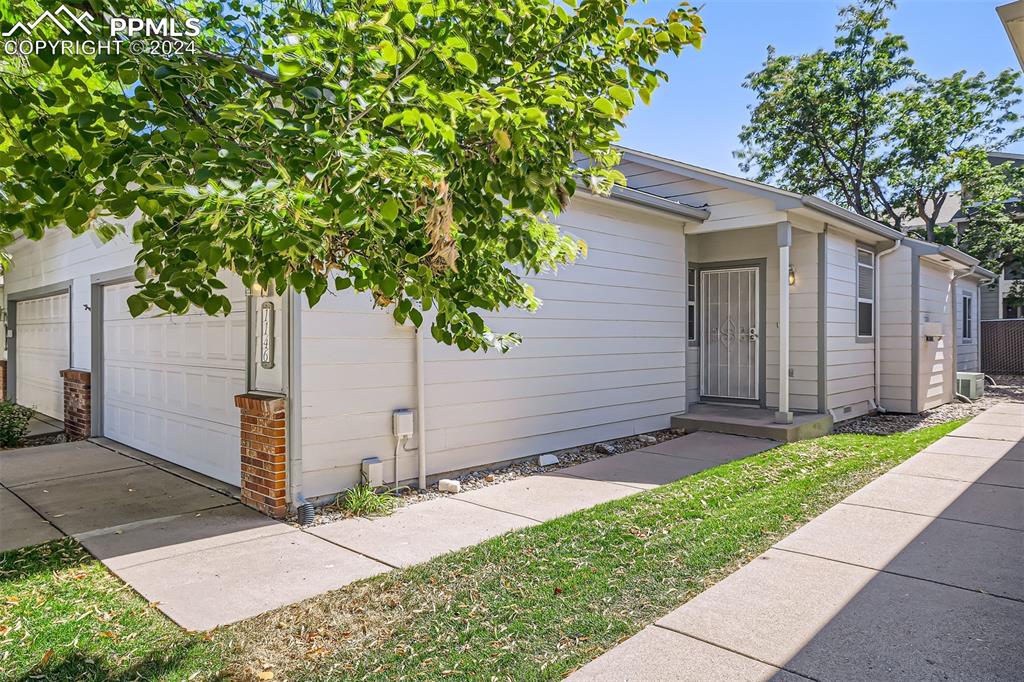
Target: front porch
column 751, row 421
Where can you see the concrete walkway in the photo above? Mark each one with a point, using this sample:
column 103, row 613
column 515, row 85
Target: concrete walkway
column 919, row 575
column 184, row 542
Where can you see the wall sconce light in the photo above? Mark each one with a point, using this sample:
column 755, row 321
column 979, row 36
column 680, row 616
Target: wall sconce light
column 792, row 276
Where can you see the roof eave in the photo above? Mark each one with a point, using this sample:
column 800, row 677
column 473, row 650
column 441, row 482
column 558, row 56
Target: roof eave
column 855, row 219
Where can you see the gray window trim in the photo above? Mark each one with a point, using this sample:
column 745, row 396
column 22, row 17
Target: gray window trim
column 864, row 338
column 100, row 280
column 693, row 342
column 966, row 296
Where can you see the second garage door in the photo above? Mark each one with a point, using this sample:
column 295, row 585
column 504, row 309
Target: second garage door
column 41, row 350
column 169, row 382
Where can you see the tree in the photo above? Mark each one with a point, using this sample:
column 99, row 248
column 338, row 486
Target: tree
column 860, row 126
column 410, row 148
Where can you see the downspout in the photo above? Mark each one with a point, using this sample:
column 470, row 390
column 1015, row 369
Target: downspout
column 421, row 412
column 956, row 331
column 877, row 323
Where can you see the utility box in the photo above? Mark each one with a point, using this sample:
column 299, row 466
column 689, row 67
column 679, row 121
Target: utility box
column 970, row 384
column 372, row 472
column 403, row 423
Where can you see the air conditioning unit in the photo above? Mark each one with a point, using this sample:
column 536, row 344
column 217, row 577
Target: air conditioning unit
column 970, row 384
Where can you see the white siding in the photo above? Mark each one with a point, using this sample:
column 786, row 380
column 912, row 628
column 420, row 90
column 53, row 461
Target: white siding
column 935, row 360
column 60, row 256
column 758, row 243
column 895, row 299
column 603, row 358
column 851, row 364
column 967, row 351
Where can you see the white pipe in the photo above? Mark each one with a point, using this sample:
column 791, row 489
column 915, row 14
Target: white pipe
column 876, row 322
column 421, row 412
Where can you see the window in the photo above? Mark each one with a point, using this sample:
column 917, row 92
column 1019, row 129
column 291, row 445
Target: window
column 967, row 319
column 691, row 304
column 865, row 293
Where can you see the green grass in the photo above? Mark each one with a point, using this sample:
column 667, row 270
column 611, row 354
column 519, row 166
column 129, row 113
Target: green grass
column 538, row 603
column 530, row 605
column 63, row 616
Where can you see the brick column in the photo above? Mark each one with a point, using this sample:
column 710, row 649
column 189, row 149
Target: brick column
column 3, row 380
column 77, row 403
column 264, row 453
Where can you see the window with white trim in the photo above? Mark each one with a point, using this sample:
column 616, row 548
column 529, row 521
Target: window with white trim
column 865, row 293
column 967, row 319
column 691, row 304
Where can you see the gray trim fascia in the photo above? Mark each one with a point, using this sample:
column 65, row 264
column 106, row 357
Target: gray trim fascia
column 822, row 328
column 915, row 331
column 762, row 306
column 115, row 276
column 653, row 201
column 860, row 221
column 40, row 292
column 12, row 352
column 96, row 365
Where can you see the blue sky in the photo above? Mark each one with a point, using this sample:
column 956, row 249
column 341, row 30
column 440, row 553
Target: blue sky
column 696, row 117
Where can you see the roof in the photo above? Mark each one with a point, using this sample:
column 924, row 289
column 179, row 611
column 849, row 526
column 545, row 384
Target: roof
column 948, row 252
column 1012, row 16
column 784, row 199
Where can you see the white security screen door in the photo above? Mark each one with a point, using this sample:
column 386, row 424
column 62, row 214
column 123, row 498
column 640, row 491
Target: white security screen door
column 729, row 333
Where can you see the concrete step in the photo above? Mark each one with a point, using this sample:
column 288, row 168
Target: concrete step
column 757, row 423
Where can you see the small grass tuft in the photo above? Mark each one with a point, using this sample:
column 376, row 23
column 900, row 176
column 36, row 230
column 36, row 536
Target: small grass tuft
column 363, row 500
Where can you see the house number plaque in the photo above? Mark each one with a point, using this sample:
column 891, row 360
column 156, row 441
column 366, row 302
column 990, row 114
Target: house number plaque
column 267, row 335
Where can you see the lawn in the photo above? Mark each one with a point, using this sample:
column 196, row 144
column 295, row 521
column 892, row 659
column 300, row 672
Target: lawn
column 533, row 604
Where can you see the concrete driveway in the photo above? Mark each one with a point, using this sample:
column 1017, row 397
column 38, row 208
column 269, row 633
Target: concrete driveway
column 917, row 576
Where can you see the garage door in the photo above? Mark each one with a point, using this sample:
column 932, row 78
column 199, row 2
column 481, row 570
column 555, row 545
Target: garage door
column 169, row 382
column 41, row 350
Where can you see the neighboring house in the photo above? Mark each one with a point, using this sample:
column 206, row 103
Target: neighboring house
column 695, row 285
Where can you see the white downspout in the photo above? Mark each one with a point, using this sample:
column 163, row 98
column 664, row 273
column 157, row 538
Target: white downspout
column 877, row 324
column 421, row 413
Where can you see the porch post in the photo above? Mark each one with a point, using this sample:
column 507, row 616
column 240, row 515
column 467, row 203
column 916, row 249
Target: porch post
column 785, row 240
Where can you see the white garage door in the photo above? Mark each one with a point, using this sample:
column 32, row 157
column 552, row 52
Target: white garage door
column 41, row 350
column 169, row 382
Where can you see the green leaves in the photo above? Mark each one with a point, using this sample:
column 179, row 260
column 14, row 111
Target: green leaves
column 410, row 151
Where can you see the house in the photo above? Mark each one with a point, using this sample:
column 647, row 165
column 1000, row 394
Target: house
column 707, row 299
column 1012, row 17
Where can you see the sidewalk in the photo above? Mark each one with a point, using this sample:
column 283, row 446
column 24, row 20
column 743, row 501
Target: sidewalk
column 919, row 575
column 206, row 560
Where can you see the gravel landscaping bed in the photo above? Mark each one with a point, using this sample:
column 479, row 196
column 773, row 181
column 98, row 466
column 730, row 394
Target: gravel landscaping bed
column 1011, row 387
column 482, row 478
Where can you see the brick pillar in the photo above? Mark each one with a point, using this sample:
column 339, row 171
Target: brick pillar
column 77, row 403
column 3, row 380
column 264, row 453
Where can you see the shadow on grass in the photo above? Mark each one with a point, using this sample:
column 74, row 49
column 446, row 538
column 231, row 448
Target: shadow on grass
column 81, row 667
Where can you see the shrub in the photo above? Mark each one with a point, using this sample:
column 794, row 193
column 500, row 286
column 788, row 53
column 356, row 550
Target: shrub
column 363, row 501
column 13, row 423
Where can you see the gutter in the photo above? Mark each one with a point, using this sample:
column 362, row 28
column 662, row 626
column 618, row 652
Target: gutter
column 877, row 323
column 652, row 201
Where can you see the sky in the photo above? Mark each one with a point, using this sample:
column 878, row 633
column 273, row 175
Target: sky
column 696, row 117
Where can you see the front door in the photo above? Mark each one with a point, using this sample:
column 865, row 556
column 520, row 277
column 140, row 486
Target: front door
column 730, row 321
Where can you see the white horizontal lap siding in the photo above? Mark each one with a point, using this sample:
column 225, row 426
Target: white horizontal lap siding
column 604, row 357
column 967, row 351
column 935, row 358
column 851, row 367
column 59, row 257
column 895, row 312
